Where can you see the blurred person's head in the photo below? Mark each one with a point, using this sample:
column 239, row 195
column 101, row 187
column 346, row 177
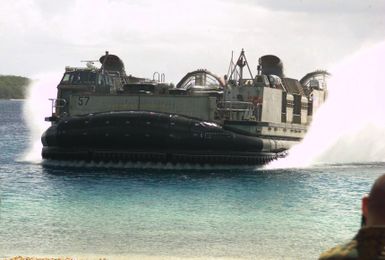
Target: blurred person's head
column 373, row 205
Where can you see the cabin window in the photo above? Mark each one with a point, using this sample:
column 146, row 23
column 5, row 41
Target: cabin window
column 66, row 78
column 105, row 80
column 101, row 80
column 79, row 78
column 109, row 81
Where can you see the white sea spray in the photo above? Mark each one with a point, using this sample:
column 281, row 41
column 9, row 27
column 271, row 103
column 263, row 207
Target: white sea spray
column 350, row 126
column 36, row 108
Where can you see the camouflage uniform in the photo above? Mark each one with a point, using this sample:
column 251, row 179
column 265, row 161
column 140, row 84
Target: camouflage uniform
column 369, row 243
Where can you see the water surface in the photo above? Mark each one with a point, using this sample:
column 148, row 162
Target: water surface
column 57, row 209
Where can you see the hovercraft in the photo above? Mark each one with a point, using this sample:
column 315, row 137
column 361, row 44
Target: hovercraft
column 103, row 114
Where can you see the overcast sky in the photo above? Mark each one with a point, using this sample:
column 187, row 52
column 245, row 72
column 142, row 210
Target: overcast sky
column 175, row 37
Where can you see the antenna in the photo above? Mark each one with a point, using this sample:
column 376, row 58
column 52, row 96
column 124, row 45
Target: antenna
column 241, row 62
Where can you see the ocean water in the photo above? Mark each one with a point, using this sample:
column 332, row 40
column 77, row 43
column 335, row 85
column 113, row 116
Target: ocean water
column 182, row 212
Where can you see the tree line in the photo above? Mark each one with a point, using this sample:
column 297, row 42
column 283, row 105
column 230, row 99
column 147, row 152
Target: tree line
column 13, row 87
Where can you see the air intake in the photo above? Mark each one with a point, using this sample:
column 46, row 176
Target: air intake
column 271, row 65
column 112, row 63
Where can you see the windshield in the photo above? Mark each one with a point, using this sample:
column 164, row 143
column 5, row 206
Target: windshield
column 79, row 78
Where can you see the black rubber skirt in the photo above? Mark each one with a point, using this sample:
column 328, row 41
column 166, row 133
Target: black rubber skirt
column 143, row 136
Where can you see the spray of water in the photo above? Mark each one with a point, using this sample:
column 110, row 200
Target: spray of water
column 350, row 126
column 36, row 108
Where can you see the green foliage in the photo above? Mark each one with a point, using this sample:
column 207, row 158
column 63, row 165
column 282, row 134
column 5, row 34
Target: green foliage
column 13, row 87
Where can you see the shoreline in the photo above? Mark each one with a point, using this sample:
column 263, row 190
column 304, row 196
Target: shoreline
column 13, row 99
column 115, row 257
